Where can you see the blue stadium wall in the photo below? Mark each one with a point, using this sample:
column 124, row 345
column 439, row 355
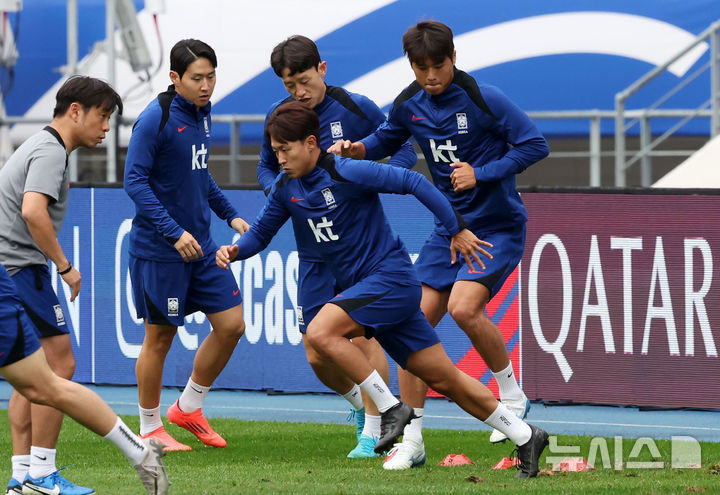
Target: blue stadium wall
column 610, row 304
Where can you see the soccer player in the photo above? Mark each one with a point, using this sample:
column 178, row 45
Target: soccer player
column 342, row 115
column 24, row 366
column 474, row 140
column 171, row 264
column 380, row 294
column 33, row 202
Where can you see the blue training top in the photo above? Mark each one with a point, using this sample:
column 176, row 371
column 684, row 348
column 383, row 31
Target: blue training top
column 167, row 176
column 337, row 204
column 342, row 115
column 468, row 122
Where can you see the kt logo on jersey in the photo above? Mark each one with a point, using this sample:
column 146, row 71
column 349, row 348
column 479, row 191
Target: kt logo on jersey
column 317, row 229
column 199, row 157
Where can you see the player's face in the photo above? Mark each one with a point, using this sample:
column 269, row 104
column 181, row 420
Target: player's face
column 295, row 157
column 307, row 87
column 434, row 77
column 92, row 126
column 197, row 82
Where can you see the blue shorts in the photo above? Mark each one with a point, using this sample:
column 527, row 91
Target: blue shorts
column 388, row 306
column 18, row 336
column 316, row 286
column 433, row 266
column 34, row 288
column 167, row 292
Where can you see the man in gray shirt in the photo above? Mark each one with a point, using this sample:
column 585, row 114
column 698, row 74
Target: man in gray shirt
column 33, row 201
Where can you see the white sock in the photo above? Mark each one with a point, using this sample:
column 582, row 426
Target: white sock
column 372, row 426
column 150, row 420
column 378, row 391
column 128, row 443
column 413, row 430
column 515, row 428
column 354, row 397
column 42, row 462
column 508, row 385
column 20, row 466
column 192, row 397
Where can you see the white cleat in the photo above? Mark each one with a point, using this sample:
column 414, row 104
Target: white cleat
column 405, row 455
column 152, row 470
column 519, row 407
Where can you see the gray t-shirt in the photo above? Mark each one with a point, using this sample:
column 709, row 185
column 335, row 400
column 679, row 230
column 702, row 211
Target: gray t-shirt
column 38, row 165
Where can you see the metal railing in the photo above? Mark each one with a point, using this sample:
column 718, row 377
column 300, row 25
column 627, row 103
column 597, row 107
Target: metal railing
column 709, row 108
column 235, row 158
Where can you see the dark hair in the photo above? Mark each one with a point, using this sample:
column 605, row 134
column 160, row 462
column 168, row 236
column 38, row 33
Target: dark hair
column 297, row 54
column 88, row 92
column 292, row 121
column 428, row 40
column 188, row 51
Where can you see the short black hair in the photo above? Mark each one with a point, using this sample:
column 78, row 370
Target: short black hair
column 297, row 54
column 428, row 40
column 292, row 121
column 88, row 92
column 188, row 51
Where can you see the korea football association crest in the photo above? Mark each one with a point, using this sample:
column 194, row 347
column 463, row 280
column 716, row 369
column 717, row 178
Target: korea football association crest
column 329, row 198
column 207, row 127
column 59, row 315
column 462, row 122
column 173, row 306
column 336, row 129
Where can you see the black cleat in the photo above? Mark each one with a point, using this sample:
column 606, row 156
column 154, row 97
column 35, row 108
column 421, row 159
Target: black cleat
column 529, row 454
column 392, row 424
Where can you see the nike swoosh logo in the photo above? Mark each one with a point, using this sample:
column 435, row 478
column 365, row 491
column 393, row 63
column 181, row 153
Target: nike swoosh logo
column 196, row 390
column 295, row 200
column 236, row 292
column 509, row 375
column 418, row 118
column 180, row 129
column 41, row 458
column 47, row 491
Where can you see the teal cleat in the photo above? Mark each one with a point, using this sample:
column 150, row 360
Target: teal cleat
column 359, row 416
column 364, row 449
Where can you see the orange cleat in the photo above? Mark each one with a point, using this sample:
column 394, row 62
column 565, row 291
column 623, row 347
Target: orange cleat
column 171, row 445
column 196, row 424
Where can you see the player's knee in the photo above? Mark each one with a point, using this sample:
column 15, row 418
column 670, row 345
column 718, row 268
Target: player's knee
column 158, row 343
column 316, row 338
column 232, row 332
column 441, row 385
column 65, row 367
column 37, row 393
column 464, row 314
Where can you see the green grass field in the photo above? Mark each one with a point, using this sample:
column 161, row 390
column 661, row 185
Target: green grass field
column 305, row 458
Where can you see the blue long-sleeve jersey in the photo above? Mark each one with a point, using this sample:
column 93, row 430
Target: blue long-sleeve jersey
column 167, row 176
column 468, row 122
column 337, row 204
column 342, row 115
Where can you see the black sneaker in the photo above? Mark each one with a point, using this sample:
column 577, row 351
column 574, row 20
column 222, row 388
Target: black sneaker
column 529, row 454
column 392, row 424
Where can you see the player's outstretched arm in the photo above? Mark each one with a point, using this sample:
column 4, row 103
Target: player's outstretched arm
column 348, row 149
column 470, row 247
